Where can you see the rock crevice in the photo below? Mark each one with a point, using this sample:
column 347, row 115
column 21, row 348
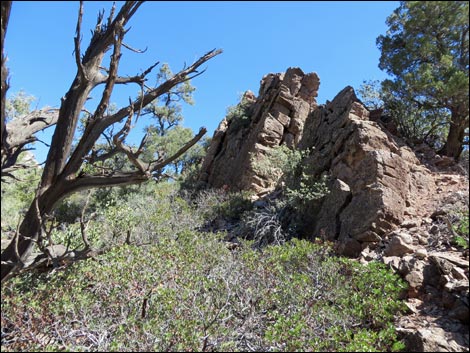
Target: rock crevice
column 277, row 116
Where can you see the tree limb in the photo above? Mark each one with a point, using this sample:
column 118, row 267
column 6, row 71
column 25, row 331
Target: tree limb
column 160, row 165
column 5, row 16
column 96, row 127
column 77, row 40
column 21, row 131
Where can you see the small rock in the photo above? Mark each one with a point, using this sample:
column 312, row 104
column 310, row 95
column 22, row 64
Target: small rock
column 459, row 273
column 399, row 245
column 422, row 240
column 392, row 261
column 406, row 238
column 55, row 251
column 410, row 224
column 411, row 307
column 415, row 279
column 421, row 253
column 453, row 285
column 368, row 255
column 406, row 264
column 426, row 220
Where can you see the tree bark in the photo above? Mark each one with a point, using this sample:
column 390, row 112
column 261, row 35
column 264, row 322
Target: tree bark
column 5, row 16
column 20, row 132
column 43, row 204
column 455, row 138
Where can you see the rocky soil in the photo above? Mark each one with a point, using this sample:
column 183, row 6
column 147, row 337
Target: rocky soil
column 421, row 251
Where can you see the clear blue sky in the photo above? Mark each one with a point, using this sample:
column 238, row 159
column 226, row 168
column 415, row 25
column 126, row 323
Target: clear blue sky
column 334, row 39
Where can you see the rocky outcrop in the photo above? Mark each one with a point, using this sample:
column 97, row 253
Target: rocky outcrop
column 377, row 178
column 383, row 176
column 382, row 200
column 276, row 117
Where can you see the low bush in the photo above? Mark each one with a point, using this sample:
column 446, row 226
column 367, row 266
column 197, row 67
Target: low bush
column 460, row 227
column 191, row 293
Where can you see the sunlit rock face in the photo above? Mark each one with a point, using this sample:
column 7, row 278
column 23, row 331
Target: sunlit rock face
column 275, row 117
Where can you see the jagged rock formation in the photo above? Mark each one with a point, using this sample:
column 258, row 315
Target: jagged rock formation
column 375, row 175
column 379, row 176
column 277, row 116
column 387, row 202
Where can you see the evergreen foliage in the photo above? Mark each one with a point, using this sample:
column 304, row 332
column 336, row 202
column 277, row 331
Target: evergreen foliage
column 426, row 51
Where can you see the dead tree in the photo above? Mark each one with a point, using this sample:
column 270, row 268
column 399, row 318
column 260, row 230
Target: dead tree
column 67, row 166
column 20, row 132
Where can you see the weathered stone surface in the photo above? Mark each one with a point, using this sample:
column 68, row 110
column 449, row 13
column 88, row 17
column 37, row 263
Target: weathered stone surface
column 442, row 257
column 277, row 117
column 429, row 340
column 350, row 247
column 399, row 245
column 421, row 253
column 392, row 261
column 328, row 218
column 56, row 250
column 375, row 166
column 383, row 176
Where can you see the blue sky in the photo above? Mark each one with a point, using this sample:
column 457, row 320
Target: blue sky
column 334, row 39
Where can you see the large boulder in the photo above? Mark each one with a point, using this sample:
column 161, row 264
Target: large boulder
column 275, row 117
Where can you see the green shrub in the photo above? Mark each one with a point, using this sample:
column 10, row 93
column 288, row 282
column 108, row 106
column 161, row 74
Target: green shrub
column 17, row 194
column 287, row 164
column 461, row 228
column 239, row 116
column 191, row 293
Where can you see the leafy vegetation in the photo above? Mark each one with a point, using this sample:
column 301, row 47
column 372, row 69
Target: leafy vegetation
column 289, row 165
column 427, row 53
column 461, row 229
column 169, row 279
column 239, row 115
column 176, row 288
column 18, row 194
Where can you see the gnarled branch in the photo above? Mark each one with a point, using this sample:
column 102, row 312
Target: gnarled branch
column 21, row 131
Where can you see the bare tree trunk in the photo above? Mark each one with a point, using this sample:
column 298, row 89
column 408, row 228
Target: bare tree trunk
column 5, row 16
column 19, row 249
column 455, row 138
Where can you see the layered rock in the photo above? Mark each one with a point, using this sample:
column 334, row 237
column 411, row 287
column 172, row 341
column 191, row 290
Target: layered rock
column 383, row 176
column 276, row 117
column 376, row 179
